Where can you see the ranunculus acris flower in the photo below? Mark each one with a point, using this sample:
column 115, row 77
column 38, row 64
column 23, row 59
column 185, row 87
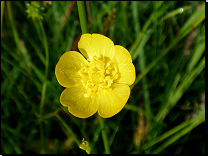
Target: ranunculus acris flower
column 98, row 80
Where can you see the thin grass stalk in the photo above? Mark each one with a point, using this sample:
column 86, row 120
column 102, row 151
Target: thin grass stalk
column 69, row 130
column 82, row 16
column 46, row 66
column 142, row 32
column 2, row 13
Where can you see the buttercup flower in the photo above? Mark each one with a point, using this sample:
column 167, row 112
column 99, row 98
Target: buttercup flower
column 98, row 80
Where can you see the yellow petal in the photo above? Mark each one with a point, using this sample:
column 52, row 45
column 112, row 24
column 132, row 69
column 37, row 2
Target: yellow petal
column 111, row 102
column 122, row 55
column 127, row 74
column 125, row 66
column 79, row 105
column 68, row 66
column 96, row 45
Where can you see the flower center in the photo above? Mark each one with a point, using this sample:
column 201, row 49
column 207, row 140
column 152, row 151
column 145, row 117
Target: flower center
column 99, row 74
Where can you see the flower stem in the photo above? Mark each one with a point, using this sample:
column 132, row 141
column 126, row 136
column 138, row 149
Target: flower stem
column 82, row 16
column 104, row 135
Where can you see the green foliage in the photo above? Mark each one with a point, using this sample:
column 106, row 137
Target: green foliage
column 166, row 110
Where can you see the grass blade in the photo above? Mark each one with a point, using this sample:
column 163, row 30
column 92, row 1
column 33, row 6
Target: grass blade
column 179, row 91
column 197, row 121
column 192, row 22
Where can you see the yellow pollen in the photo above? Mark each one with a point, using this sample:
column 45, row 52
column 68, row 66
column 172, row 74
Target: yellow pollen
column 98, row 75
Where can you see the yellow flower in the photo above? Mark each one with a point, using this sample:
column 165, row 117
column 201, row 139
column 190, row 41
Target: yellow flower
column 99, row 81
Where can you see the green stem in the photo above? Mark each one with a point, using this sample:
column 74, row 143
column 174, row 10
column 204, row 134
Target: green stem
column 104, row 135
column 46, row 66
column 68, row 129
column 82, row 16
column 2, row 12
column 44, row 83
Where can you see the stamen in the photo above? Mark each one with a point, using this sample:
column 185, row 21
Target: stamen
column 98, row 75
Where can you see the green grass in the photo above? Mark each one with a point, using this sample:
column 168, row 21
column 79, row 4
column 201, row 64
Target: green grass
column 165, row 113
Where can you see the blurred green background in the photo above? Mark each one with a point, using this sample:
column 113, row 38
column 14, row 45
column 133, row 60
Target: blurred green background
column 166, row 110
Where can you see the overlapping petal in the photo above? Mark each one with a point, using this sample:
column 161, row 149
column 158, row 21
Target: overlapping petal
column 79, row 105
column 68, row 66
column 96, row 45
column 125, row 65
column 111, row 102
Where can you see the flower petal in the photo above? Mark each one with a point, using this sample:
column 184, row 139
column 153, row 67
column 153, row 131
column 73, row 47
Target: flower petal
column 78, row 105
column 111, row 102
column 125, row 66
column 96, row 45
column 68, row 66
